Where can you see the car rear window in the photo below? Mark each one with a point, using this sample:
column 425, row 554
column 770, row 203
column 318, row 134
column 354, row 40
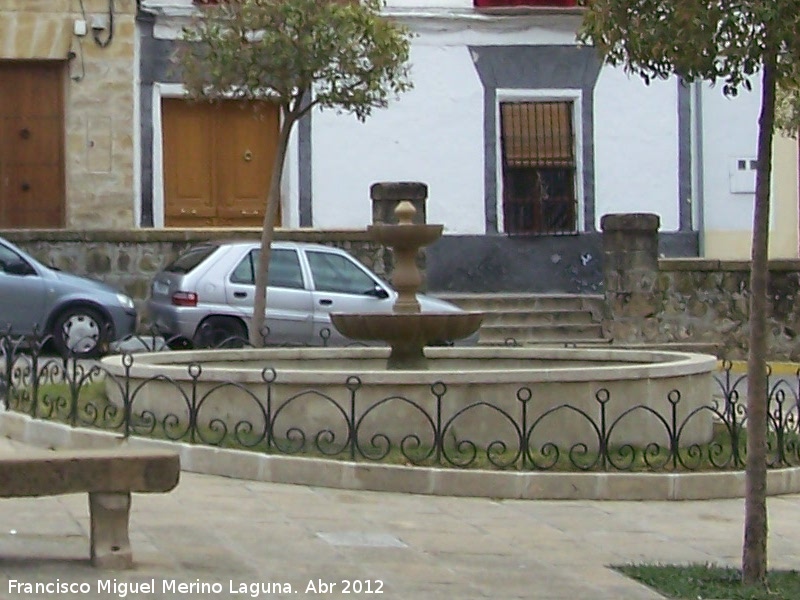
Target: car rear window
column 190, row 259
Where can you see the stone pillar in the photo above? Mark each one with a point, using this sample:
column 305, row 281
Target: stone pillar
column 630, row 275
column 385, row 196
column 110, row 546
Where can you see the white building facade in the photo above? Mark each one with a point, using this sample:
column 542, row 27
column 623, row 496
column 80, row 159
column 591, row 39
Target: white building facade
column 524, row 138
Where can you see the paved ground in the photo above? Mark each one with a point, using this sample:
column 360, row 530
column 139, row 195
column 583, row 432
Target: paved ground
column 231, row 533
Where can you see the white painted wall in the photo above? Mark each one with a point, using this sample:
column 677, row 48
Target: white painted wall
column 730, row 133
column 389, row 3
column 730, row 127
column 636, row 146
column 433, row 134
column 427, row 4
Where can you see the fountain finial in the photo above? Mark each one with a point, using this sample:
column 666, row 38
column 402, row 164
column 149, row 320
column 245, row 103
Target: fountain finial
column 405, row 212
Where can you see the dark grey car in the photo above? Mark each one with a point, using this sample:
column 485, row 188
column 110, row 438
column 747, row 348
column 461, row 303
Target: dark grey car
column 82, row 315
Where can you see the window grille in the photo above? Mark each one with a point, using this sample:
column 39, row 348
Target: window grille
column 538, row 167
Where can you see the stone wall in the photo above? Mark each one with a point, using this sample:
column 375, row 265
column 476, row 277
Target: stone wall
column 691, row 301
column 99, row 99
column 651, row 301
column 128, row 259
column 709, row 300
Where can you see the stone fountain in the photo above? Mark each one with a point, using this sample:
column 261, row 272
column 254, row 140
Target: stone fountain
column 474, row 392
column 407, row 330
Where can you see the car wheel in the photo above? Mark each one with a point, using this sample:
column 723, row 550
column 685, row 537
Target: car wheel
column 81, row 332
column 220, row 332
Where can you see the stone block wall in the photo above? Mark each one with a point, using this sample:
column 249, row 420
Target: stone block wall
column 691, row 301
column 650, row 301
column 128, row 259
column 99, row 99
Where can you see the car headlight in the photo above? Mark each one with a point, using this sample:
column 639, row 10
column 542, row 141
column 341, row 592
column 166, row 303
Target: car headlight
column 125, row 301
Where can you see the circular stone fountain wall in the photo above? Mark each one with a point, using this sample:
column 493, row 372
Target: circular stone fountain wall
column 313, row 390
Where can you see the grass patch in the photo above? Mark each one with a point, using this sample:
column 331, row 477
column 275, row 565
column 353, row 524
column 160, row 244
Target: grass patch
column 54, row 401
column 701, row 582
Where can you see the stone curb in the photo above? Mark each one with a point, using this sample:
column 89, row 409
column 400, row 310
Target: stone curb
column 241, row 464
column 779, row 367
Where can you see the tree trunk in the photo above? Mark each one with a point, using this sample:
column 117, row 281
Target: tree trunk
column 257, row 332
column 754, row 553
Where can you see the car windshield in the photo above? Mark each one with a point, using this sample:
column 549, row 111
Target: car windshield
column 187, row 261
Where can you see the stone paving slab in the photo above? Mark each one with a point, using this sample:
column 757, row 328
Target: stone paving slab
column 298, row 541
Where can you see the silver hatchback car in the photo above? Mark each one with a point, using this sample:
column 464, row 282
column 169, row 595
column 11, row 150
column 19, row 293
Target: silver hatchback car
column 205, row 296
column 83, row 316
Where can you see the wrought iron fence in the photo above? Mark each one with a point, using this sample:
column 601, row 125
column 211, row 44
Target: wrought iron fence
column 311, row 422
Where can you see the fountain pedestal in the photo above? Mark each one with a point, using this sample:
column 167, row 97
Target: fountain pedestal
column 406, row 329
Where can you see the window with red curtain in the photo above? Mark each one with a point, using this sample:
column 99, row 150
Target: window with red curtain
column 539, row 3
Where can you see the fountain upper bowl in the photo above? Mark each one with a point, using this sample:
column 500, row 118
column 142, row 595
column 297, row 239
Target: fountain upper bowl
column 427, row 328
column 405, row 236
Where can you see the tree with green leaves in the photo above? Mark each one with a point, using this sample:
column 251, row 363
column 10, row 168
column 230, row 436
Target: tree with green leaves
column 299, row 54
column 787, row 108
column 727, row 42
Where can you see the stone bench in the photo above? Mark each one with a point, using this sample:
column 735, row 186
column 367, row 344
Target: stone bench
column 108, row 476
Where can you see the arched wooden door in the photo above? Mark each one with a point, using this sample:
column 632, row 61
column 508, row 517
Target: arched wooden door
column 217, row 162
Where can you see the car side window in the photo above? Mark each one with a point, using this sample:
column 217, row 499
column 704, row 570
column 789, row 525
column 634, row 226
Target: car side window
column 245, row 271
column 284, row 269
column 336, row 273
column 12, row 263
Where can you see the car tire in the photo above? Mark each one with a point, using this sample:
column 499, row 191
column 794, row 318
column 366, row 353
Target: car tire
column 81, row 332
column 220, row 332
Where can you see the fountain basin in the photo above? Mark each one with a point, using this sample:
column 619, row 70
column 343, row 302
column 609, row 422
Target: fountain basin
column 407, row 333
column 489, row 394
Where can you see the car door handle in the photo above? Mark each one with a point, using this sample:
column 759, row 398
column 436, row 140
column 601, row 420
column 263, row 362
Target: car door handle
column 240, row 294
column 326, row 302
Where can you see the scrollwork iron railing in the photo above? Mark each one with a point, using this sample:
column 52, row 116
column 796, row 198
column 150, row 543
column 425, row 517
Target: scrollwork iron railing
column 433, row 430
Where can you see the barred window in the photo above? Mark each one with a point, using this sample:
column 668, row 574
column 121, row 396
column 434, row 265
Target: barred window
column 538, row 167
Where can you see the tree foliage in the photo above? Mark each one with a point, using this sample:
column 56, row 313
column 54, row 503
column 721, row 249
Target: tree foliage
column 727, row 42
column 339, row 54
column 713, row 40
column 787, row 108
column 352, row 58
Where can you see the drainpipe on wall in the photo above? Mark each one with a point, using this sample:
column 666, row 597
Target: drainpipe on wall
column 697, row 151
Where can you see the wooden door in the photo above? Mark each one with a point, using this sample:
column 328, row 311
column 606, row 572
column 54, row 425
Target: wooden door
column 188, row 165
column 32, row 144
column 217, row 162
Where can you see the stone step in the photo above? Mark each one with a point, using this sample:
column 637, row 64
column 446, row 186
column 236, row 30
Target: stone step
column 556, row 343
column 525, row 318
column 698, row 347
column 534, row 318
column 491, row 334
column 530, row 302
